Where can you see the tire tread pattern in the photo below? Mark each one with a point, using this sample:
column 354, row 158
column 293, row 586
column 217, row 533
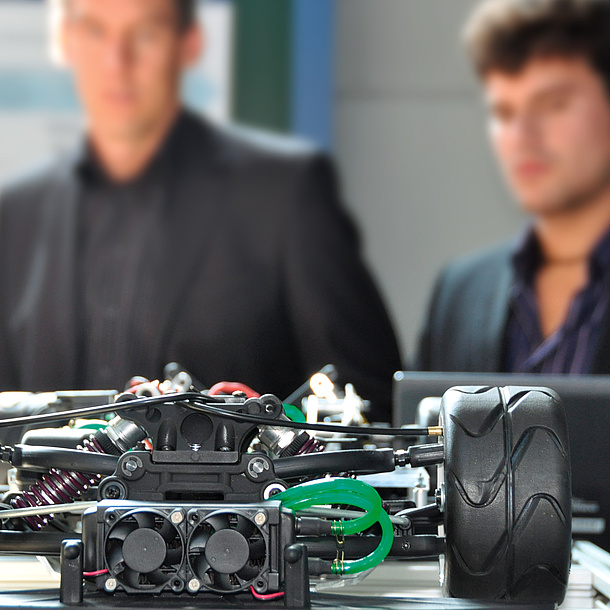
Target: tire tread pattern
column 508, row 494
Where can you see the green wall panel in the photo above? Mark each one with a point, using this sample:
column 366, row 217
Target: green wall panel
column 263, row 60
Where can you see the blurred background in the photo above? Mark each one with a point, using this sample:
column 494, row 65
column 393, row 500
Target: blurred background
column 382, row 85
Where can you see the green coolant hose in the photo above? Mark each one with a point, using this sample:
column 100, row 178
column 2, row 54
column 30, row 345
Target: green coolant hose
column 353, row 493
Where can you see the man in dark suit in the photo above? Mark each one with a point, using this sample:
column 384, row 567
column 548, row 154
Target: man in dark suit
column 165, row 238
column 540, row 304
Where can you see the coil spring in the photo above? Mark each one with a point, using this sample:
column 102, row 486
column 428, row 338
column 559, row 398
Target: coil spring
column 311, row 446
column 57, row 487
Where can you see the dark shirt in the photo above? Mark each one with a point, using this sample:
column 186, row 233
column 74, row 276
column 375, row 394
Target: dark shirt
column 115, row 221
column 570, row 349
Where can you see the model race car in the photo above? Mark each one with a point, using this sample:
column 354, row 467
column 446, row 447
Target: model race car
column 168, row 491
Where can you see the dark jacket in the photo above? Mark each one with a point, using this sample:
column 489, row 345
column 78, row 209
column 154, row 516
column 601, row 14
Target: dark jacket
column 465, row 328
column 260, row 279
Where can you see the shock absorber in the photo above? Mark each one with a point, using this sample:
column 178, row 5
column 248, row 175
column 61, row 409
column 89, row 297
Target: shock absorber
column 62, row 486
column 283, row 442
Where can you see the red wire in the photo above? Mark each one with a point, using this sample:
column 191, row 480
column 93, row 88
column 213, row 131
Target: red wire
column 228, row 387
column 266, row 598
column 98, row 573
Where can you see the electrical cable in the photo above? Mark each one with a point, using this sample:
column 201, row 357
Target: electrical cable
column 96, row 573
column 407, row 431
column 265, row 598
column 115, row 407
column 182, row 399
column 340, row 513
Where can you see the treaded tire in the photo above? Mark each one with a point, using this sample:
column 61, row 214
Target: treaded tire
column 507, row 487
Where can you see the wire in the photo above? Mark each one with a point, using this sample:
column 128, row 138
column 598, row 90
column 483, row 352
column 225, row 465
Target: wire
column 356, row 430
column 266, row 598
column 192, row 400
column 338, row 513
column 52, row 509
column 98, row 573
column 115, row 407
column 229, row 387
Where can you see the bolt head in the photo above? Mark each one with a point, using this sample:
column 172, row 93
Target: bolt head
column 177, row 517
column 194, row 585
column 131, row 465
column 110, row 585
column 260, row 518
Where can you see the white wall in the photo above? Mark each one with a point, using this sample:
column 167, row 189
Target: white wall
column 418, row 172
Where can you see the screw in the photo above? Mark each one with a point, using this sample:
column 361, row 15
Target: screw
column 194, row 585
column 257, row 466
column 260, row 518
column 406, row 546
column 177, row 517
column 112, row 492
column 131, row 465
column 269, row 408
column 271, row 490
column 110, row 585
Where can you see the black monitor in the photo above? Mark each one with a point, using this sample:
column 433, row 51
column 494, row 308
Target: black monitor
column 586, row 399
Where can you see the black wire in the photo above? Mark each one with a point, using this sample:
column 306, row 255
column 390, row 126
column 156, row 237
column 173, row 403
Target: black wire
column 192, row 400
column 360, row 431
column 115, row 407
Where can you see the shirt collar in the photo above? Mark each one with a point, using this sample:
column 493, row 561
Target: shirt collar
column 90, row 171
column 527, row 257
column 600, row 257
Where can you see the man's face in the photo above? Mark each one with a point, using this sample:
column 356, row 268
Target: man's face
column 127, row 56
column 550, row 128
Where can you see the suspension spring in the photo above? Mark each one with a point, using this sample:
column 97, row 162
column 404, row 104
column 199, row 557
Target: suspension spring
column 311, row 446
column 65, row 486
column 58, row 487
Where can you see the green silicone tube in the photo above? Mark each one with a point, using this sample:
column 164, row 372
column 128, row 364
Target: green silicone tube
column 353, row 493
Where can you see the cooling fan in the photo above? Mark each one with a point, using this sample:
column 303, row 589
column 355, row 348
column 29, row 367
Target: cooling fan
column 227, row 552
column 144, row 552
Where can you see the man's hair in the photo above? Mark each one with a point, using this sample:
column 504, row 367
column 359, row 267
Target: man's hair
column 505, row 34
column 187, row 11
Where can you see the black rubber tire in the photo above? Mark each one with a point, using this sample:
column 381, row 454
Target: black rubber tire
column 507, row 494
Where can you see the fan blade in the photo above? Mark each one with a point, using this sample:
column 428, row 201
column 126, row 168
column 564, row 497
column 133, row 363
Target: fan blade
column 258, row 548
column 145, row 519
column 168, row 531
column 114, row 555
column 219, row 521
column 132, row 578
column 200, row 565
column 244, row 526
column 248, row 572
column 173, row 557
column 199, row 540
column 158, row 577
column 223, row 582
column 122, row 530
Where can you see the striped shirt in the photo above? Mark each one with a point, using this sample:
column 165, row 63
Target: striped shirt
column 570, row 349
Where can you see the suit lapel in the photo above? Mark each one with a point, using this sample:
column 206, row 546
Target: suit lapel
column 197, row 190
column 493, row 319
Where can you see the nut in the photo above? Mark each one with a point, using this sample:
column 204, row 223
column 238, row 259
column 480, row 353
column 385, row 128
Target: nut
column 177, row 517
